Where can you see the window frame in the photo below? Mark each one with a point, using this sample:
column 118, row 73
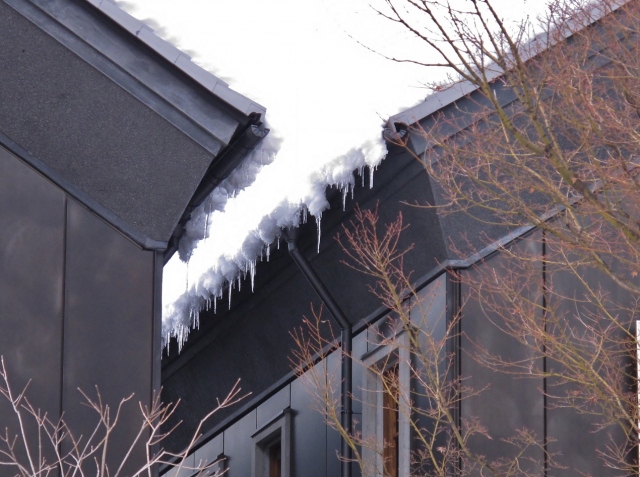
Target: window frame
column 277, row 430
column 381, row 359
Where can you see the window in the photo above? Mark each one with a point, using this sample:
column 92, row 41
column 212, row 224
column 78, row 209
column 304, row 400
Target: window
column 390, row 421
column 272, row 447
column 385, row 421
column 275, row 459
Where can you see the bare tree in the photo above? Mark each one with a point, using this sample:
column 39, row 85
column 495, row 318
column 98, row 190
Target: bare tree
column 545, row 139
column 38, row 446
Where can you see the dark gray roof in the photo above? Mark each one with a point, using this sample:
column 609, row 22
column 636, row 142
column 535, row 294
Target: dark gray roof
column 441, row 99
column 177, row 57
column 481, row 237
column 117, row 114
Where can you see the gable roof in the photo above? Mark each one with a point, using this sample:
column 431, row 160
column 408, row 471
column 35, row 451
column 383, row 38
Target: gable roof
column 120, row 117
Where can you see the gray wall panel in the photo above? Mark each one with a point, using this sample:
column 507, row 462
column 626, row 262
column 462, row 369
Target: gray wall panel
column 334, row 378
column 238, row 446
column 210, row 452
column 427, row 313
column 273, row 406
column 308, row 434
column 508, row 404
column 32, row 217
column 100, row 137
column 359, row 349
column 108, row 329
column 574, row 436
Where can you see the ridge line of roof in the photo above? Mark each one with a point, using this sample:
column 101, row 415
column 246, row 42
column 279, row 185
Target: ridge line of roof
column 177, row 57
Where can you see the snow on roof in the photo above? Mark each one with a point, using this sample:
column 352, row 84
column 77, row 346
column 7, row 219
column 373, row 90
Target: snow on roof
column 440, row 99
column 216, row 272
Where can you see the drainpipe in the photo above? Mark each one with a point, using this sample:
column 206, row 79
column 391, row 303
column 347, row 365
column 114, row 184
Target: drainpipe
column 346, row 421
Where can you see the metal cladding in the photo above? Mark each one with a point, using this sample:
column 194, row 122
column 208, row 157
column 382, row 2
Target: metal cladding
column 113, row 112
column 105, row 138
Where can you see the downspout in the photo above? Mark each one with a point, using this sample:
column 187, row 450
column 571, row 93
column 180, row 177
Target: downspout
column 346, row 341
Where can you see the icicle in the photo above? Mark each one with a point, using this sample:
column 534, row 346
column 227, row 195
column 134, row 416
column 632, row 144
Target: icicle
column 318, row 219
column 253, row 273
column 304, row 214
column 196, row 320
column 186, row 277
column 215, row 305
column 239, row 283
column 206, row 224
column 361, row 172
column 230, row 286
column 278, row 242
column 345, row 191
column 268, row 251
column 371, row 170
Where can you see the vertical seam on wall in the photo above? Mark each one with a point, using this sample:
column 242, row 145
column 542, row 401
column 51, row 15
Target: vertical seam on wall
column 545, row 437
column 453, row 291
column 458, row 351
column 156, row 347
column 64, row 299
column 156, row 335
column 326, row 434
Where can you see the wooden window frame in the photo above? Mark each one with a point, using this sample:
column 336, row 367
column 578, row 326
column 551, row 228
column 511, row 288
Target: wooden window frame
column 385, row 357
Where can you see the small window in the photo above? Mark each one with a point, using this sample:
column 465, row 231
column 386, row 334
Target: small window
column 271, row 453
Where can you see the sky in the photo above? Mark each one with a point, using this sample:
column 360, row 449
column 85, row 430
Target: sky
column 319, row 67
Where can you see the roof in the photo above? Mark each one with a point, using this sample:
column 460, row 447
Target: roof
column 449, row 95
column 484, row 235
column 125, row 121
column 178, row 58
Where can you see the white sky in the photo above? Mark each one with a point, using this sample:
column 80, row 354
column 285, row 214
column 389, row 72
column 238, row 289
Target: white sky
column 325, row 93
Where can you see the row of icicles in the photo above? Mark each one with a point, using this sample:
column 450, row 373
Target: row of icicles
column 181, row 334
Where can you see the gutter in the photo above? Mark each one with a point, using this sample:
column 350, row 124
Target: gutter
column 346, row 343
column 240, row 146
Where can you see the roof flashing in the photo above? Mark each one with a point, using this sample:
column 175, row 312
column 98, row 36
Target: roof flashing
column 177, row 57
column 540, row 42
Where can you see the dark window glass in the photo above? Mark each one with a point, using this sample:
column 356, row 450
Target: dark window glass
column 275, row 462
column 390, row 420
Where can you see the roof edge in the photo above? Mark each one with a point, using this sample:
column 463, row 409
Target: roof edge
column 175, row 56
column 440, row 99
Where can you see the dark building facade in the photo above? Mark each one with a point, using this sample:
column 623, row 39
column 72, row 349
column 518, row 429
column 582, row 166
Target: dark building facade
column 109, row 137
column 252, row 340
